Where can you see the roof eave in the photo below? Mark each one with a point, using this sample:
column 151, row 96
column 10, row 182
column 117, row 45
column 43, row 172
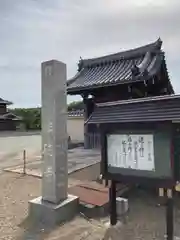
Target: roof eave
column 133, row 121
column 6, row 102
column 159, row 108
column 141, row 78
column 139, row 100
column 76, row 90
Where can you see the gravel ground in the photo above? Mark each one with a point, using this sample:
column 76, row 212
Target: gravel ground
column 16, row 191
column 145, row 220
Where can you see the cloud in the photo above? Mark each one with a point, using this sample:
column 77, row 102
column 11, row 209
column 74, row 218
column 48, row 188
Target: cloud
column 32, row 31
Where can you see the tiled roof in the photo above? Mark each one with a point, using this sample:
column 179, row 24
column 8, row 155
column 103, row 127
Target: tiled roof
column 76, row 113
column 127, row 66
column 2, row 101
column 151, row 109
column 9, row 115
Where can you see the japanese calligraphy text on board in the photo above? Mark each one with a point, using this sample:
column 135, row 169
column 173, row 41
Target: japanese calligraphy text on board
column 141, row 153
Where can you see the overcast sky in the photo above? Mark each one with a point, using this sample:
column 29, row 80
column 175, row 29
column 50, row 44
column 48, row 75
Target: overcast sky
column 32, row 31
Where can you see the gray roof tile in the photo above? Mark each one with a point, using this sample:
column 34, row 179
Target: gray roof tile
column 118, row 68
column 151, row 109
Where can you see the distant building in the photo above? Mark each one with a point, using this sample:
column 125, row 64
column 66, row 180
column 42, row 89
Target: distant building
column 8, row 121
column 136, row 73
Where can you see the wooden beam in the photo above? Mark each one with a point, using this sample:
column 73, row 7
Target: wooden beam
column 138, row 92
column 112, row 199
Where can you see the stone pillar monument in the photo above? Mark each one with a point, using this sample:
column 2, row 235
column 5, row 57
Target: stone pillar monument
column 55, row 205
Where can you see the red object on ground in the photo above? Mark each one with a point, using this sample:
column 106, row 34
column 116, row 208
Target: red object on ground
column 90, row 196
column 92, row 193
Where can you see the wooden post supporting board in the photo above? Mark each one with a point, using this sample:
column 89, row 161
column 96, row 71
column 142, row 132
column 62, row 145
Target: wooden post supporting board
column 169, row 215
column 169, row 212
column 112, row 200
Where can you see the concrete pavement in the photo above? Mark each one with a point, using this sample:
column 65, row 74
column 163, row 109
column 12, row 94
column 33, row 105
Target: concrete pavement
column 11, row 153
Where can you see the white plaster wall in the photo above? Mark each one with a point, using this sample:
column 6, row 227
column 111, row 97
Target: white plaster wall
column 75, row 128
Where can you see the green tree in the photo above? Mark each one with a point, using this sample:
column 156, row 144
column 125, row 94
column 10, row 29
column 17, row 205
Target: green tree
column 78, row 105
column 32, row 116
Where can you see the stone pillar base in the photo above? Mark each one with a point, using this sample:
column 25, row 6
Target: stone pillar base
column 47, row 213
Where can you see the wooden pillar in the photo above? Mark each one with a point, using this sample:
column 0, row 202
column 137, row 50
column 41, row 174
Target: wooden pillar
column 130, row 91
column 168, row 195
column 86, row 142
column 169, row 216
column 112, row 201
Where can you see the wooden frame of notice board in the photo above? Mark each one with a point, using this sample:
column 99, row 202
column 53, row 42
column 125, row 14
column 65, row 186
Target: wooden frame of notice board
column 161, row 175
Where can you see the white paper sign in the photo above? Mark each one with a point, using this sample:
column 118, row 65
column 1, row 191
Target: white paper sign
column 131, row 151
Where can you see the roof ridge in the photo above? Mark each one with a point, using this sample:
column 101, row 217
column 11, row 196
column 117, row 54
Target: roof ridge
column 125, row 54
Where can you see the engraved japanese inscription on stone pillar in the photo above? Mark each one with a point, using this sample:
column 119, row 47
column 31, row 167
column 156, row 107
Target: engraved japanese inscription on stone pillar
column 54, row 132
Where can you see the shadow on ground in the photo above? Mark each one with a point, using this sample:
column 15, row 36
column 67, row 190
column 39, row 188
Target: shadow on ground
column 34, row 231
column 78, row 228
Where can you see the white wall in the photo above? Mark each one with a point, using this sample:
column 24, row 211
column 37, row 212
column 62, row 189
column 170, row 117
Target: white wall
column 75, row 128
